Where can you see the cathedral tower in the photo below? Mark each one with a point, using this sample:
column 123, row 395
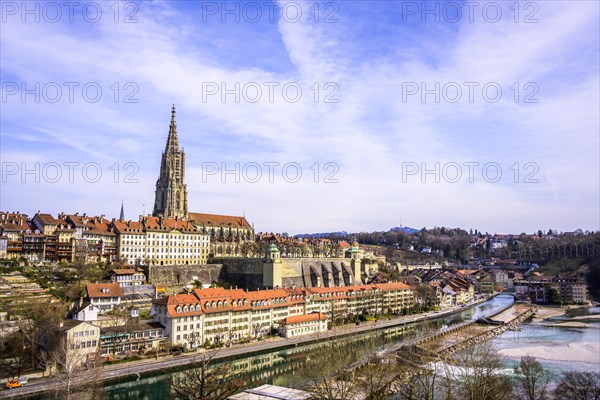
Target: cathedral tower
column 171, row 191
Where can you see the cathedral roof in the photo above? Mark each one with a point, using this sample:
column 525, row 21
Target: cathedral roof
column 218, row 220
column 157, row 223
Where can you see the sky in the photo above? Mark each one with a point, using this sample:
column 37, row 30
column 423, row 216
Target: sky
column 308, row 116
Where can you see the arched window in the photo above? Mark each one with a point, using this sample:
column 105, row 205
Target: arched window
column 185, row 309
column 220, row 304
column 207, row 305
column 198, row 307
column 225, row 303
column 214, row 304
column 178, row 309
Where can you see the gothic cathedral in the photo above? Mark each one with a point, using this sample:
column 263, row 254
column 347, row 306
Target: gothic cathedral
column 171, row 191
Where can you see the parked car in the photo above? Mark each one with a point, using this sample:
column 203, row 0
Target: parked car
column 16, row 383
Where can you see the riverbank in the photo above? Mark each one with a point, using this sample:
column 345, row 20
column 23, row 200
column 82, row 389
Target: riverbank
column 563, row 335
column 136, row 369
column 565, row 317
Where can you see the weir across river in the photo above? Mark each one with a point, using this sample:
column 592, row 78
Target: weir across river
column 457, row 337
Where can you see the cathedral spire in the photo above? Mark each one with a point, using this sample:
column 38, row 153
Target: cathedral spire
column 172, row 140
column 122, row 215
column 171, row 191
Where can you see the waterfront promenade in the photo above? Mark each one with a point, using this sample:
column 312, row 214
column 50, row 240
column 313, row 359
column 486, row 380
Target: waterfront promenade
column 135, row 369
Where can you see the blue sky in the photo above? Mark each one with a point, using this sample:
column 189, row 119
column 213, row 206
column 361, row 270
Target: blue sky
column 367, row 56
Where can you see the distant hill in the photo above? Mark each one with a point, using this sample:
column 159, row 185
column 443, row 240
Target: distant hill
column 404, row 229
column 346, row 234
column 321, row 235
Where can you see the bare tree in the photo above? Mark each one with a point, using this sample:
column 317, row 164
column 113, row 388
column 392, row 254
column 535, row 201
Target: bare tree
column 424, row 379
column 478, row 374
column 206, row 380
column 377, row 378
column 531, row 380
column 67, row 361
column 33, row 323
column 328, row 375
column 578, row 386
column 121, row 329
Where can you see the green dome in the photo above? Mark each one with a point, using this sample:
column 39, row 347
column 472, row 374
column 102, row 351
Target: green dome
column 272, row 248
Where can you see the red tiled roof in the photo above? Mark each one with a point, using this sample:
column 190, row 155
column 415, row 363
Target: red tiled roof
column 218, row 220
column 392, row 286
column 126, row 271
column 181, row 300
column 101, row 227
column 129, row 227
column 96, row 290
column 156, row 223
column 297, row 319
column 47, row 219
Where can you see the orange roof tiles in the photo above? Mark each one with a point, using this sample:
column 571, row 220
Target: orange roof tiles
column 129, row 227
column 157, row 223
column 392, row 286
column 104, row 290
column 181, row 305
column 298, row 319
column 47, row 219
column 218, row 220
column 126, row 271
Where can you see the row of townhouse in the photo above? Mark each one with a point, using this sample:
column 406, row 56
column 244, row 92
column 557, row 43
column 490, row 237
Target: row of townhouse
column 217, row 315
column 45, row 238
column 451, row 287
column 537, row 288
column 151, row 240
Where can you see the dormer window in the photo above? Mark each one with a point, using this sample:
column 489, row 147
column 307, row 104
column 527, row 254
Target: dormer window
column 198, row 307
column 178, row 309
column 185, row 309
column 207, row 305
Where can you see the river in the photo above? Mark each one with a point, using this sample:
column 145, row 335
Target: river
column 279, row 367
